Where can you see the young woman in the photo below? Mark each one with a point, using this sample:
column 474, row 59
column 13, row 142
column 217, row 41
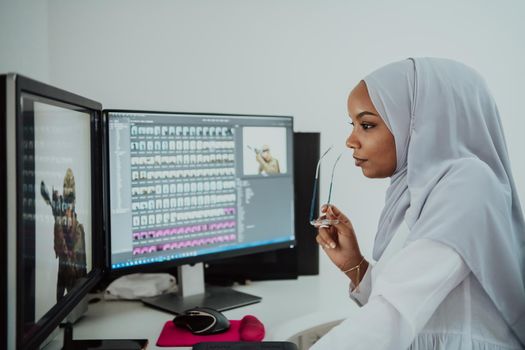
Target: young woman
column 449, row 251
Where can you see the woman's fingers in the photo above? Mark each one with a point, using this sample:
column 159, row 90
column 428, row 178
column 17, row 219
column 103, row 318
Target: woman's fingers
column 328, row 235
column 325, row 237
column 344, row 225
column 332, row 210
column 321, row 242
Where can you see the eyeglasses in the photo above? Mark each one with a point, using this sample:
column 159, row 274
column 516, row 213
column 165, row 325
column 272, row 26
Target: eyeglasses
column 323, row 221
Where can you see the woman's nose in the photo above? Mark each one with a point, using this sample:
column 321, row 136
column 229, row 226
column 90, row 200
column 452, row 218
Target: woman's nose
column 352, row 142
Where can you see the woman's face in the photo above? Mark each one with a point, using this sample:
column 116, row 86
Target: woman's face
column 373, row 143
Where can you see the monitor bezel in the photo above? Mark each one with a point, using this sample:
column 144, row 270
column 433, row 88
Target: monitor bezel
column 3, row 217
column 168, row 265
column 48, row 322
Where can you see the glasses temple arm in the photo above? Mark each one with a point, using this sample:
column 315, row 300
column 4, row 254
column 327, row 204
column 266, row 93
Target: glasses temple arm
column 332, row 178
column 316, row 180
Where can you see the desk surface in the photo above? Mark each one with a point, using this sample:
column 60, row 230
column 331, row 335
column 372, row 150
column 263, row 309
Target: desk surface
column 288, row 307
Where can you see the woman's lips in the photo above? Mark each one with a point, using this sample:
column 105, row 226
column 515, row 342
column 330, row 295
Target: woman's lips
column 359, row 161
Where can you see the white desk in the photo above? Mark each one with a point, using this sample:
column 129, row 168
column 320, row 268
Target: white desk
column 288, row 307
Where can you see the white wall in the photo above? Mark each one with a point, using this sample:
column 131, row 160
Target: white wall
column 24, row 38
column 294, row 57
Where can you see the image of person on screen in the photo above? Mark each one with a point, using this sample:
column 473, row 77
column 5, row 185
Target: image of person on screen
column 69, row 236
column 267, row 163
column 447, row 268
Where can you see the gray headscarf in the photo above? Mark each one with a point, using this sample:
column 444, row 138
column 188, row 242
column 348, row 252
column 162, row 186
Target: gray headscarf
column 453, row 181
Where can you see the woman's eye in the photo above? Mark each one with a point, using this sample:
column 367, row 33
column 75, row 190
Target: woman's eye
column 367, row 126
column 351, row 123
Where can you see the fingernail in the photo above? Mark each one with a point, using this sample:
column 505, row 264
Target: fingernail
column 332, row 245
column 327, row 246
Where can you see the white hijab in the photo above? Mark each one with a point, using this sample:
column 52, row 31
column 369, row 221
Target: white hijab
column 453, row 182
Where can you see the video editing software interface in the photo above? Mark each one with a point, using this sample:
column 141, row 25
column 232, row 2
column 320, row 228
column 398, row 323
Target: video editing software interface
column 185, row 185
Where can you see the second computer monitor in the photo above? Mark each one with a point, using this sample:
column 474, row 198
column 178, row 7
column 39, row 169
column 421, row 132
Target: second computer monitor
column 50, row 207
column 187, row 188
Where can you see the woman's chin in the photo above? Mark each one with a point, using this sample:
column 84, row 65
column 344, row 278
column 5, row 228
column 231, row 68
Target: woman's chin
column 371, row 174
column 367, row 173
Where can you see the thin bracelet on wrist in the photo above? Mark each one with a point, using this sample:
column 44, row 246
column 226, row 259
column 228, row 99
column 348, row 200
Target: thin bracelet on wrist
column 358, row 273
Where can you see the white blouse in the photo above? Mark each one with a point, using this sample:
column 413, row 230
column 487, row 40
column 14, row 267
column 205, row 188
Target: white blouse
column 421, row 297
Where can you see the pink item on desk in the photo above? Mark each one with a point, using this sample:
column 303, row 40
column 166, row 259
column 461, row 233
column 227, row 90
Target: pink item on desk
column 247, row 329
column 251, row 329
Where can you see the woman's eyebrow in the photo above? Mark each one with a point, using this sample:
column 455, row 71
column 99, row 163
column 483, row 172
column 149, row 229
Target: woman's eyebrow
column 360, row 115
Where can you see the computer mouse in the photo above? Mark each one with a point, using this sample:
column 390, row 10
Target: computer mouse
column 202, row 320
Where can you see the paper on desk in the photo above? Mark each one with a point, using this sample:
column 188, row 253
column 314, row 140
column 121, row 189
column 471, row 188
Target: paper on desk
column 140, row 285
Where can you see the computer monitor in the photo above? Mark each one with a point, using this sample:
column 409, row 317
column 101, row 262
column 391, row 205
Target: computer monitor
column 51, row 222
column 192, row 187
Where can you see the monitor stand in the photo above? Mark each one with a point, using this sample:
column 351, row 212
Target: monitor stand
column 192, row 293
column 100, row 344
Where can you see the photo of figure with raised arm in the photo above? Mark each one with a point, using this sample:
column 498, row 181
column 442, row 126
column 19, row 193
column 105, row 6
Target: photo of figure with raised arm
column 69, row 235
column 264, row 151
column 267, row 163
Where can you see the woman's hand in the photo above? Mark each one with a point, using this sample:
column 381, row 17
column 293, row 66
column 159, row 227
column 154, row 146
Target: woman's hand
column 338, row 240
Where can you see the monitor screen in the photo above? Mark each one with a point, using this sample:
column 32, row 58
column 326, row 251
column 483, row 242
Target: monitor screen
column 57, row 196
column 192, row 187
column 51, row 199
